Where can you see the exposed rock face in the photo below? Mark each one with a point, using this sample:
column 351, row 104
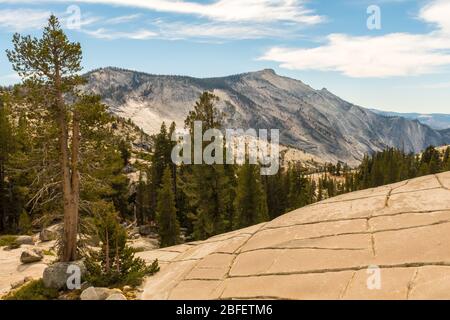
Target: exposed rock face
column 391, row 242
column 316, row 121
column 12, row 271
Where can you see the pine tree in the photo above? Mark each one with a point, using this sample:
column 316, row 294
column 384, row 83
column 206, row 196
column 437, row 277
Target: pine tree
column 142, row 202
column 114, row 264
column 446, row 161
column 51, row 66
column 161, row 159
column 5, row 150
column 208, row 187
column 169, row 229
column 251, row 202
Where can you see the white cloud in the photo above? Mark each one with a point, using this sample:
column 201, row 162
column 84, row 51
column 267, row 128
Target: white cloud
column 395, row 54
column 219, row 10
column 106, row 34
column 123, row 19
column 438, row 13
column 217, row 30
column 23, row 19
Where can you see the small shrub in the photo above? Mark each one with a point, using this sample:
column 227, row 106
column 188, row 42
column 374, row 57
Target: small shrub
column 48, row 252
column 34, row 290
column 8, row 241
column 115, row 263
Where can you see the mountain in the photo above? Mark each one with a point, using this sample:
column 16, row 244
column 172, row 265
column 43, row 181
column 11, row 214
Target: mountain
column 438, row 121
column 315, row 121
column 445, row 133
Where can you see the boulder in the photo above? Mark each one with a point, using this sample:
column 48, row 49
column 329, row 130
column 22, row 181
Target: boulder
column 48, row 235
column 55, row 276
column 144, row 244
column 147, row 230
column 24, row 240
column 89, row 294
column 93, row 293
column 20, row 283
column 30, row 256
column 116, row 296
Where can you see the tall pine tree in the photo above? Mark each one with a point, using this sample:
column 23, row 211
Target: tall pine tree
column 166, row 213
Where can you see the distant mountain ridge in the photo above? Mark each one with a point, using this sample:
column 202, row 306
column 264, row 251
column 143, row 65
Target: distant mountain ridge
column 316, row 121
column 438, row 121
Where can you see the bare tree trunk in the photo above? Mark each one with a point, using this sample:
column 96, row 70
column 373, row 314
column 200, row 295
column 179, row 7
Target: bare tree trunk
column 70, row 178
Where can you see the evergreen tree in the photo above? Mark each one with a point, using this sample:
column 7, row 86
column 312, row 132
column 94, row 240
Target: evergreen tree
column 114, row 264
column 51, row 65
column 5, row 150
column 142, row 203
column 446, row 160
column 169, row 229
column 161, row 159
column 208, row 187
column 251, row 202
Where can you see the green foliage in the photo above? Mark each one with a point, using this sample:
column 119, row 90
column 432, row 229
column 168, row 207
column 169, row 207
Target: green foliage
column 34, row 290
column 209, row 188
column 8, row 240
column 251, row 202
column 25, row 225
column 391, row 165
column 166, row 213
column 114, row 264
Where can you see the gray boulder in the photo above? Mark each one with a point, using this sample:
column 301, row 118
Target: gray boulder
column 116, row 296
column 47, row 235
column 147, row 230
column 25, row 240
column 55, row 276
column 30, row 256
column 93, row 293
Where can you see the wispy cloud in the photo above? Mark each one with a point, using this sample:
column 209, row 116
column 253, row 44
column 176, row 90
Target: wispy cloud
column 107, row 34
column 217, row 19
column 123, row 19
column 395, row 54
column 23, row 19
column 219, row 10
column 218, row 30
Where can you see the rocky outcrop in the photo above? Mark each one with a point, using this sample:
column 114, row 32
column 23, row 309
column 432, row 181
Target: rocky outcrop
column 390, row 242
column 12, row 271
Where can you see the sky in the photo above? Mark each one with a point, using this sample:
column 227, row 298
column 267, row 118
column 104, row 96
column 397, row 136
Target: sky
column 390, row 55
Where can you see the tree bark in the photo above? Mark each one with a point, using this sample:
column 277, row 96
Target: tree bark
column 70, row 176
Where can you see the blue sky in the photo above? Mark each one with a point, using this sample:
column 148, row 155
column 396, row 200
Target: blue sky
column 403, row 66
